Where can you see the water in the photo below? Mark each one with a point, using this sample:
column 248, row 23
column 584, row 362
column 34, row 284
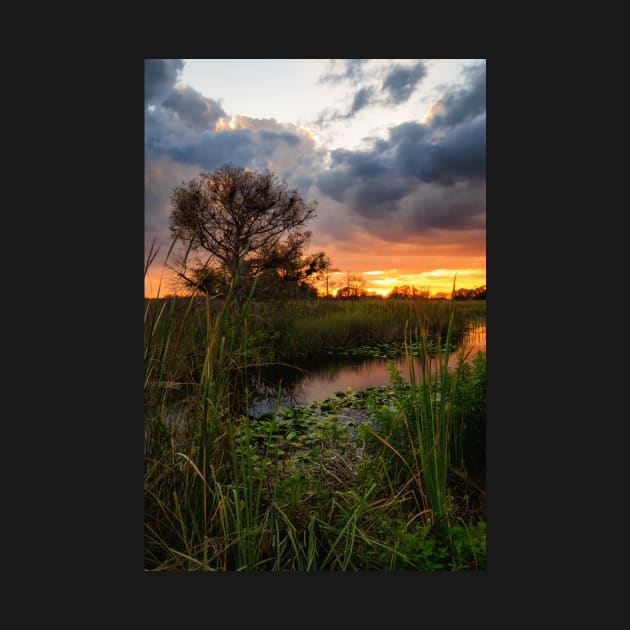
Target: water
column 320, row 380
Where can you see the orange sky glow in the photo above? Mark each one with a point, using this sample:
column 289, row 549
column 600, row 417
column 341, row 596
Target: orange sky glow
column 426, row 262
column 378, row 279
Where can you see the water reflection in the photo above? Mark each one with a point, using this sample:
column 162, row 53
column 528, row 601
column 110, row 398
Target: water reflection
column 318, row 380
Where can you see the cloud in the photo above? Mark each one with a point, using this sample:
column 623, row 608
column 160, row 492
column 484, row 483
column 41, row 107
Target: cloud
column 455, row 156
column 461, row 103
column 211, row 149
column 429, row 208
column 160, row 177
column 336, row 184
column 174, row 115
column 286, row 152
column 352, row 70
column 401, row 81
column 379, row 197
column 386, row 86
column 361, row 100
column 359, row 164
column 416, row 180
column 194, row 110
column 159, row 77
column 412, row 151
column 282, row 135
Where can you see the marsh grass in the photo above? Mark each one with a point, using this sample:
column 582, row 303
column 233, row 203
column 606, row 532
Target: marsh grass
column 311, row 327
column 294, row 330
column 423, row 437
column 227, row 492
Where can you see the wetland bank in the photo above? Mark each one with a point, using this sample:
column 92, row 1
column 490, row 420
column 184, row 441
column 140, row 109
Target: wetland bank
column 254, row 471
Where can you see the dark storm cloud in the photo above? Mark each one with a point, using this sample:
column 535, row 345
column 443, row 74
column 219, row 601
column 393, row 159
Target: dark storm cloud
column 401, row 81
column 369, row 185
column 357, row 175
column 361, row 100
column 211, row 149
column 174, row 116
column 159, row 77
column 335, row 183
column 408, row 132
column 196, row 111
column 419, row 178
column 458, row 208
column 379, row 197
column 460, row 104
column 415, row 153
column 412, row 144
column 352, row 71
column 459, row 155
column 359, row 164
column 273, row 137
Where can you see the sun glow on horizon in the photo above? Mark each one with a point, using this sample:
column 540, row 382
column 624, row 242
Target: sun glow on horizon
column 159, row 281
column 433, row 281
column 381, row 292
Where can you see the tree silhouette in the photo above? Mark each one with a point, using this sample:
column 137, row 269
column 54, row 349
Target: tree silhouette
column 235, row 221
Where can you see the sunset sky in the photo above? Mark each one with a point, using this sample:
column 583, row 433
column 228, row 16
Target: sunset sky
column 393, row 150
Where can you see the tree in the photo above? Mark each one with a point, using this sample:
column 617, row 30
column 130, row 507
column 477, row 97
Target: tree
column 202, row 278
column 409, row 292
column 327, row 271
column 288, row 273
column 333, row 281
column 399, row 292
column 478, row 293
column 236, row 219
column 354, row 287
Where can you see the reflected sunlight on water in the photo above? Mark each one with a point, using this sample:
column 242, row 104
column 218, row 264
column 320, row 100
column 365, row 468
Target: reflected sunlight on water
column 322, row 380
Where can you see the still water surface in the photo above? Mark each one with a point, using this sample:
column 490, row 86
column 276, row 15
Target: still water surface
column 320, row 380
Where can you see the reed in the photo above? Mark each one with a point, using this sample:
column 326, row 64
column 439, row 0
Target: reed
column 223, row 494
column 417, row 434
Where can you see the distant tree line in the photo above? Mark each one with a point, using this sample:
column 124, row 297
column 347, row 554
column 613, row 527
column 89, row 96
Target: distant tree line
column 478, row 293
column 356, row 290
column 407, row 292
